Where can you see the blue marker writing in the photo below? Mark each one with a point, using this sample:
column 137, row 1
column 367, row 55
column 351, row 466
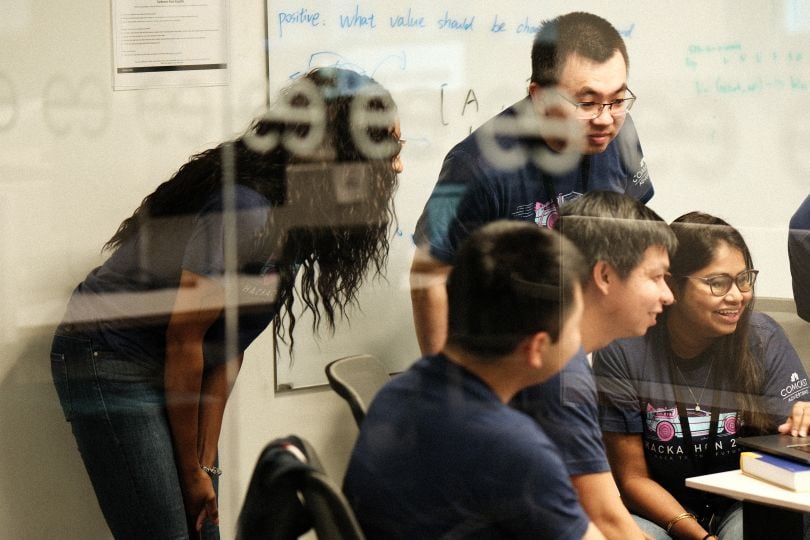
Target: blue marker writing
column 357, row 20
column 407, row 21
column 302, row 17
column 446, row 23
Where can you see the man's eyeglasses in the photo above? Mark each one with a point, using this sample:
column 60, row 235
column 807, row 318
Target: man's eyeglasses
column 590, row 110
column 721, row 284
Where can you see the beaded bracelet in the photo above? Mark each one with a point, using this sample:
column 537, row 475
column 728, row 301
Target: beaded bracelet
column 678, row 518
column 212, row 471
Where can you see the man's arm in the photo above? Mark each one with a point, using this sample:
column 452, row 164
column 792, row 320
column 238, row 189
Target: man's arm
column 565, row 408
column 600, row 498
column 429, row 301
column 593, row 533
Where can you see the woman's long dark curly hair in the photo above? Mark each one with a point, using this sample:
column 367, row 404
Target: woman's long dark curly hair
column 699, row 235
column 332, row 200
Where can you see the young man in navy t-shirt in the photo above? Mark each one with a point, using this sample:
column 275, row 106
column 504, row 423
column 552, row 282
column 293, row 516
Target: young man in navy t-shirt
column 626, row 247
column 440, row 453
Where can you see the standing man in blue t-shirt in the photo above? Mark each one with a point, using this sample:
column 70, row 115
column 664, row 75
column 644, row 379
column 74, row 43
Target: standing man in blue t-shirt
column 519, row 166
column 799, row 254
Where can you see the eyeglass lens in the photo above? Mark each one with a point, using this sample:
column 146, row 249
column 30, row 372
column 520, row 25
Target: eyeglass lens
column 616, row 108
column 720, row 285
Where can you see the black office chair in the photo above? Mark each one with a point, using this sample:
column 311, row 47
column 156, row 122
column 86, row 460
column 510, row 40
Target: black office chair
column 289, row 494
column 357, row 379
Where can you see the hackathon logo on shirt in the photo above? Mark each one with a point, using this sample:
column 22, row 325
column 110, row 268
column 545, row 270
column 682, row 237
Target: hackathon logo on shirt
column 260, row 284
column 666, row 437
column 545, row 214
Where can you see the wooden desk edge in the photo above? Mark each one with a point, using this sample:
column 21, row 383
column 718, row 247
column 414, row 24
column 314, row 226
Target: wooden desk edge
column 753, row 490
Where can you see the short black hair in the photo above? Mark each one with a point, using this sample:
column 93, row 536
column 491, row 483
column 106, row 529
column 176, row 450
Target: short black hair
column 581, row 33
column 511, row 280
column 615, row 228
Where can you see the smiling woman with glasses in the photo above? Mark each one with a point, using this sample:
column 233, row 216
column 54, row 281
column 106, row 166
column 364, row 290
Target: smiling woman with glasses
column 674, row 401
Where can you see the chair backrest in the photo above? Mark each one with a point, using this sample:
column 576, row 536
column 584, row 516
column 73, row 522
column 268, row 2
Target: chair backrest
column 357, row 379
column 289, row 494
column 332, row 517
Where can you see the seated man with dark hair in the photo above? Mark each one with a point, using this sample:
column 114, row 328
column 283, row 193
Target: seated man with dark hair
column 626, row 247
column 440, row 454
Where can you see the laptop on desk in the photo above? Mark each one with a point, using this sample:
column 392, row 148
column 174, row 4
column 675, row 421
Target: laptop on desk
column 793, row 448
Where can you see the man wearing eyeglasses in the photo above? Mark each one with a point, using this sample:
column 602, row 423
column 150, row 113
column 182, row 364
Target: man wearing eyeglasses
column 570, row 135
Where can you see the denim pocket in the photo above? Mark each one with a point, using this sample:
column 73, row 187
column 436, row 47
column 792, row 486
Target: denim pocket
column 128, row 384
column 60, row 381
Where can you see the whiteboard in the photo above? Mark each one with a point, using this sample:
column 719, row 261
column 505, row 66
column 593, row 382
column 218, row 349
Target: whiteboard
column 724, row 99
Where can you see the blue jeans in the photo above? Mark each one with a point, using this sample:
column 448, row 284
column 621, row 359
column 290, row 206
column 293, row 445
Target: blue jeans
column 116, row 408
column 729, row 528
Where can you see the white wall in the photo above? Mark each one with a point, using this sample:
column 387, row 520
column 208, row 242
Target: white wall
column 76, row 158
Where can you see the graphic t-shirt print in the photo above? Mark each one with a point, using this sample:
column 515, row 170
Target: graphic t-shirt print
column 665, row 437
column 546, row 214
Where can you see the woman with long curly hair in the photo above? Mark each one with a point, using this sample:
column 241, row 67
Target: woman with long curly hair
column 147, row 352
column 674, row 401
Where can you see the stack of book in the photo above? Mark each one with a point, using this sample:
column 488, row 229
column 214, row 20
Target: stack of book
column 779, row 471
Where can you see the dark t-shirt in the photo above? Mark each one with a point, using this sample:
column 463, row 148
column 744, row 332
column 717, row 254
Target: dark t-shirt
column 635, row 380
column 566, row 407
column 125, row 304
column 475, row 187
column 440, row 456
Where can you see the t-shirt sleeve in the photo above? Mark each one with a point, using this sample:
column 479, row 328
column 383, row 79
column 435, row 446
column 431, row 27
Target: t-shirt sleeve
column 459, row 204
column 637, row 183
column 205, row 250
column 785, row 377
column 527, row 486
column 566, row 409
column 619, row 410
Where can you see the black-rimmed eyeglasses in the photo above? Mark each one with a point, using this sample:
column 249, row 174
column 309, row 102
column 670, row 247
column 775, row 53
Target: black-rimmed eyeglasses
column 721, row 283
column 590, row 110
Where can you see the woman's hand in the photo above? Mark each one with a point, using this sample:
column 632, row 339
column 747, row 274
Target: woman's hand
column 200, row 500
column 798, row 423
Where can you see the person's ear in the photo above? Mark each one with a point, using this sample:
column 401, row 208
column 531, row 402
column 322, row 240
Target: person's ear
column 603, row 276
column 537, row 346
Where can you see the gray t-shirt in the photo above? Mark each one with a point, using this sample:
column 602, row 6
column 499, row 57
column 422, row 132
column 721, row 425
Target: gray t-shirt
column 125, row 304
column 635, row 379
